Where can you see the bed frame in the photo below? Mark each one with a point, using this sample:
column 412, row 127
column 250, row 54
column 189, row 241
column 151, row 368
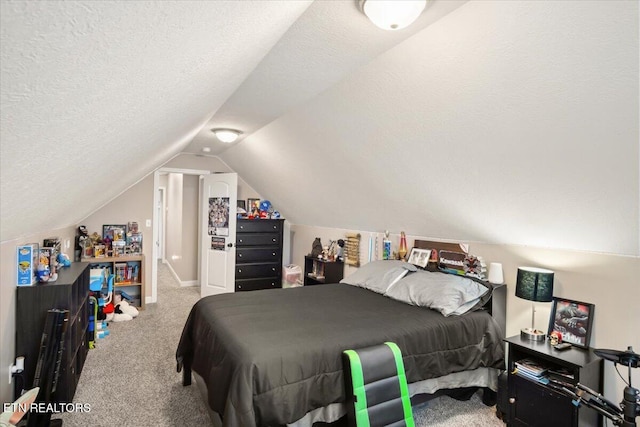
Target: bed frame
column 496, row 306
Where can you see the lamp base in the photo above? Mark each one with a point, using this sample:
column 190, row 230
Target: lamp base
column 532, row 334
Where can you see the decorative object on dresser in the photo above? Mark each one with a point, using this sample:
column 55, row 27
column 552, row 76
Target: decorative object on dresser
column 571, row 321
column 539, row 377
column 536, row 285
column 319, row 271
column 258, row 254
column 69, row 293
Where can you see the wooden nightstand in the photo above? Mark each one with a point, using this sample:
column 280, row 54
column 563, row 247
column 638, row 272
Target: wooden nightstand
column 532, row 403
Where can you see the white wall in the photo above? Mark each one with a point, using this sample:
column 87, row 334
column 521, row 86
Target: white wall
column 608, row 281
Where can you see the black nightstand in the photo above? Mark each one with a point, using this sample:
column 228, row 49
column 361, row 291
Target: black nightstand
column 319, row 271
column 534, row 404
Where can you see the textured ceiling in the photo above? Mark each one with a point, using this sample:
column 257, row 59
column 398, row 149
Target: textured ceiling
column 504, row 122
column 494, row 121
column 96, row 94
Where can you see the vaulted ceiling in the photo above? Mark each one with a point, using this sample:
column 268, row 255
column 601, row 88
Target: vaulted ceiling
column 506, row 122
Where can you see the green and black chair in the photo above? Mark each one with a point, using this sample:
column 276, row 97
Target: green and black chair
column 376, row 387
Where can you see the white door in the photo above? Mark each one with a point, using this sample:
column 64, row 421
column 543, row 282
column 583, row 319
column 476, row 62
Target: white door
column 218, row 212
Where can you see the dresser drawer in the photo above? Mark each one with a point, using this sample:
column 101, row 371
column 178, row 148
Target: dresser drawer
column 244, row 255
column 258, row 225
column 258, row 239
column 256, row 284
column 248, row 271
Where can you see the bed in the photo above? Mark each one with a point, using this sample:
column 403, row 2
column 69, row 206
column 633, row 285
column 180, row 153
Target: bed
column 273, row 357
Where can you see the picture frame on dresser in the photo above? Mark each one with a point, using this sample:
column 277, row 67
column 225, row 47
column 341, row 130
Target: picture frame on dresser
column 573, row 320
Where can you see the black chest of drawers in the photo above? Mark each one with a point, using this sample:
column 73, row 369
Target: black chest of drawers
column 258, row 254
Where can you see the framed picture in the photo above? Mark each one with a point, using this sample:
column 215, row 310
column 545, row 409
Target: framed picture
column 114, row 232
column 253, row 205
column 419, row 257
column 572, row 320
column 242, row 204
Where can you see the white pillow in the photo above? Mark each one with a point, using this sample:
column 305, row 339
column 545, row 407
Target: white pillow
column 449, row 294
column 378, row 276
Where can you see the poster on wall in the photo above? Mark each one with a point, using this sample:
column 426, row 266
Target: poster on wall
column 218, row 216
column 217, row 243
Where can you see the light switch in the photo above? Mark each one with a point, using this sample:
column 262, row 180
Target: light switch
column 148, row 223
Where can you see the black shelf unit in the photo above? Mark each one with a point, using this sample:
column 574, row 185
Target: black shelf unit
column 69, row 292
column 318, row 271
column 258, row 254
column 532, row 403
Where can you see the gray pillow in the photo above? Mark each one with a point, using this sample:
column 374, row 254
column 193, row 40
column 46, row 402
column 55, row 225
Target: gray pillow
column 446, row 293
column 377, row 276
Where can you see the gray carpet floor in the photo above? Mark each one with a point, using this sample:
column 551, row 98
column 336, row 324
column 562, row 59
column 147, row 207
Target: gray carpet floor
column 130, row 378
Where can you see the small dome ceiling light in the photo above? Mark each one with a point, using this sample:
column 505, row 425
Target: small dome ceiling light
column 392, row 14
column 226, row 135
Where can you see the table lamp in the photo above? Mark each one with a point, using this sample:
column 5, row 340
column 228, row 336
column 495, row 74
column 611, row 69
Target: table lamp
column 536, row 285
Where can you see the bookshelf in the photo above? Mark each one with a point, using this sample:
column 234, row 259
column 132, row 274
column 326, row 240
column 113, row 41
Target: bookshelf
column 128, row 271
column 69, row 292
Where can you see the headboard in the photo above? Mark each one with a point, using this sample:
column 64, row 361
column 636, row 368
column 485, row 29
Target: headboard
column 497, row 305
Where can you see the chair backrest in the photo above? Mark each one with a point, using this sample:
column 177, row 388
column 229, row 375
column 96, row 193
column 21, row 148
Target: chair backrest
column 376, row 387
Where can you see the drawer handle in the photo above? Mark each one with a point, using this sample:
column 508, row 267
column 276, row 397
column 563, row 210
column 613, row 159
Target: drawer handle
column 239, row 286
column 240, row 240
column 239, row 270
column 273, row 240
column 274, row 227
column 239, row 255
column 273, row 269
column 273, row 253
column 512, row 400
column 242, row 227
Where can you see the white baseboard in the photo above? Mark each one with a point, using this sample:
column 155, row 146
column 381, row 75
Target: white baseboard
column 187, row 283
column 183, row 283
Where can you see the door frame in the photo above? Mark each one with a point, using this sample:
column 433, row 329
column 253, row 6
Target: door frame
column 154, row 264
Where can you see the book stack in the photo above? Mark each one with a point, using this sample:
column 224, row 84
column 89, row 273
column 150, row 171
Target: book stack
column 561, row 374
column 532, row 369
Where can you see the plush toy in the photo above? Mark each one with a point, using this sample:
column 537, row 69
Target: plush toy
column 123, row 311
column 127, row 309
column 63, row 260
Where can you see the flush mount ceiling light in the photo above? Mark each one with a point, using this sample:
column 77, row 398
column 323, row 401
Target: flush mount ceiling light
column 392, row 14
column 226, row 135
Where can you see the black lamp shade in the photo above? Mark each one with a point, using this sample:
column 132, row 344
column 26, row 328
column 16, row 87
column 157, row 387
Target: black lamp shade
column 534, row 284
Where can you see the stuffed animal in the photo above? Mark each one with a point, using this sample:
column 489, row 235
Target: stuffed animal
column 126, row 308
column 123, row 311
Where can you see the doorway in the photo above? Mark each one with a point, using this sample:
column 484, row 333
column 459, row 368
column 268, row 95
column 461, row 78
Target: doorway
column 172, row 246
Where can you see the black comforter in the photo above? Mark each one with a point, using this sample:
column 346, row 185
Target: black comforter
column 269, row 357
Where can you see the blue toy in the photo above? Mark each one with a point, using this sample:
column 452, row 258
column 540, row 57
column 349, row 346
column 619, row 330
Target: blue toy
column 265, row 205
column 63, row 260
